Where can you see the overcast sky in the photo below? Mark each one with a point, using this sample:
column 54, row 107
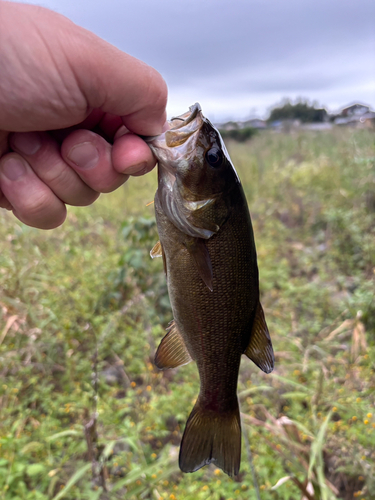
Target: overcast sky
column 240, row 57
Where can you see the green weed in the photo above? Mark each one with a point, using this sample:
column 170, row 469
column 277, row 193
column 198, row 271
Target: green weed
column 84, row 413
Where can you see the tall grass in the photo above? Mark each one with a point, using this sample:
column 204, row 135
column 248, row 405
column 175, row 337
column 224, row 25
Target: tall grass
column 85, row 415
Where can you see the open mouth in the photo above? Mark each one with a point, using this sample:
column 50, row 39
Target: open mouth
column 184, row 126
column 179, row 142
column 186, row 118
column 181, row 129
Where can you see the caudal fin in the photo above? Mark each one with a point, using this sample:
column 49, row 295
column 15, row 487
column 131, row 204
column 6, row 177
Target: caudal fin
column 211, row 437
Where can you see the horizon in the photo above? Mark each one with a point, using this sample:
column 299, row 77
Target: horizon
column 295, row 101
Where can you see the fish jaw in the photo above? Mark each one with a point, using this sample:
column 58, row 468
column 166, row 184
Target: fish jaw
column 179, row 142
column 189, row 137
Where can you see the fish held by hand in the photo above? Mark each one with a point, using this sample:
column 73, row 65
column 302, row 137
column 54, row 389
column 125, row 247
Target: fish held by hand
column 208, row 249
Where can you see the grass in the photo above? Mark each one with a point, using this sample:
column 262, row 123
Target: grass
column 85, row 415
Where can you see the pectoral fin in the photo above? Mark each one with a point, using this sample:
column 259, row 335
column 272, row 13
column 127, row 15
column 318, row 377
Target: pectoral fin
column 260, row 349
column 157, row 251
column 201, row 256
column 198, row 211
column 172, row 351
column 201, row 223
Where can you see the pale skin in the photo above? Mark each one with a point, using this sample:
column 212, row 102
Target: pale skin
column 68, row 100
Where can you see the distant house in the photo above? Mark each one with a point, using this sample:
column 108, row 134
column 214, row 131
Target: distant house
column 356, row 109
column 228, row 126
column 356, row 115
column 255, row 123
column 285, row 125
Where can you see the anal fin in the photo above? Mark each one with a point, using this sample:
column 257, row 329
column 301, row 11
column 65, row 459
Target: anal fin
column 172, row 351
column 260, row 349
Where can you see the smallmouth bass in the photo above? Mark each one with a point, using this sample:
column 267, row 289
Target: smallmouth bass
column 208, row 249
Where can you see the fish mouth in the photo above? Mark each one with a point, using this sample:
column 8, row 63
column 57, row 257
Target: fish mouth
column 180, row 140
column 184, row 126
column 186, row 118
column 189, row 135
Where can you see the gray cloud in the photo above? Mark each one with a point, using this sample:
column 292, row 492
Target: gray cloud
column 244, row 53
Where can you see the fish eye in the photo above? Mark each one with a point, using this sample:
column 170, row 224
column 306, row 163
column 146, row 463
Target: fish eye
column 215, row 157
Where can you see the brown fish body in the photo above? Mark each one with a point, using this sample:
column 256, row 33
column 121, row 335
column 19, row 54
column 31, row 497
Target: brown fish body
column 214, row 292
column 215, row 324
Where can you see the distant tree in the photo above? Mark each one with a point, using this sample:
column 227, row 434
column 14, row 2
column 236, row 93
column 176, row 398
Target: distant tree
column 300, row 110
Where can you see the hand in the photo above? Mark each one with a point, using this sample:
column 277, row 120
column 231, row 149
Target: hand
column 67, row 101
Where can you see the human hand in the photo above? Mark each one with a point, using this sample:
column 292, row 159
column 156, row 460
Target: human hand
column 67, row 99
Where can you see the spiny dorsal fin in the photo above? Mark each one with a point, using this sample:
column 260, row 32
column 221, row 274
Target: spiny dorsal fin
column 172, row 351
column 260, row 349
column 201, row 256
column 157, row 250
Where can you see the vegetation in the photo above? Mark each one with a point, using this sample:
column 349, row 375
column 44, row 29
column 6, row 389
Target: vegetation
column 85, row 415
column 301, row 110
column 239, row 134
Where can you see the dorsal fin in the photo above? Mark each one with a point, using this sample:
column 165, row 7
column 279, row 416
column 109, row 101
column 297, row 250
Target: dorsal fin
column 172, row 351
column 260, row 349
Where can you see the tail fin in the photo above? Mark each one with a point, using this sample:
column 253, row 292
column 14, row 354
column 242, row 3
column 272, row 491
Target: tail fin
column 211, row 436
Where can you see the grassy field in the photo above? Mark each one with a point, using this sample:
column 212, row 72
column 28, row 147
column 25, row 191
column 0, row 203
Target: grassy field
column 85, row 415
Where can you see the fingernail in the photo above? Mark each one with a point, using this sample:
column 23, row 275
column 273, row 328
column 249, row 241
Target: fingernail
column 13, row 169
column 120, row 132
column 84, row 155
column 27, row 143
column 140, row 168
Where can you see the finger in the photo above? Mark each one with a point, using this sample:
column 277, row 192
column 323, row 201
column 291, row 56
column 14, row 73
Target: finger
column 42, row 153
column 110, row 124
column 131, row 155
column 32, row 201
column 78, row 72
column 90, row 122
column 91, row 157
column 124, row 85
column 4, row 146
column 4, row 203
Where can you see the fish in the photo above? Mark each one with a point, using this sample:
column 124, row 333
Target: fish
column 209, row 255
